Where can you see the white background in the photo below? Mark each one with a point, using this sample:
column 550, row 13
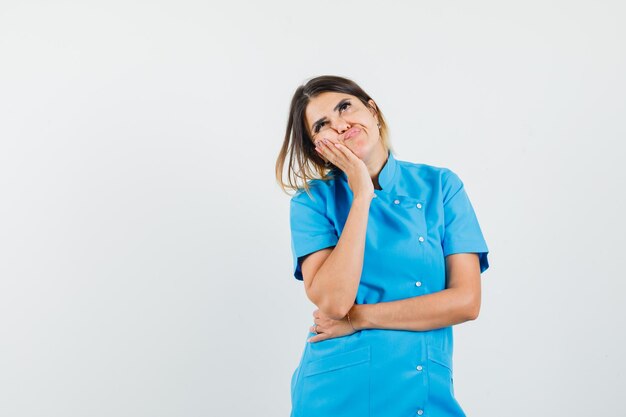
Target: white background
column 145, row 263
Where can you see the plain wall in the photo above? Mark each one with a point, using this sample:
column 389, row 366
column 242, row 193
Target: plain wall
column 145, row 265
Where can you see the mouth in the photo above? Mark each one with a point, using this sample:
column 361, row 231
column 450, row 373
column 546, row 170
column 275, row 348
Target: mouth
column 351, row 132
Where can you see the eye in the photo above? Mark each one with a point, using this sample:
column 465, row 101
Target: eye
column 343, row 106
column 318, row 126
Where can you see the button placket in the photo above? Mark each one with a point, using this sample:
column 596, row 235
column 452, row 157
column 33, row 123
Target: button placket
column 419, row 373
column 417, row 205
column 421, row 238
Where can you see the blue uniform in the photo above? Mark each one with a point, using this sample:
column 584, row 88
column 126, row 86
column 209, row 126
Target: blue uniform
column 421, row 215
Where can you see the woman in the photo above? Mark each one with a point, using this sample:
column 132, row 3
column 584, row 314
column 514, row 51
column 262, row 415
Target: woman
column 389, row 251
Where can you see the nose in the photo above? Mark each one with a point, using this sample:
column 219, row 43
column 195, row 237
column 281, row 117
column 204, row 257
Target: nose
column 341, row 125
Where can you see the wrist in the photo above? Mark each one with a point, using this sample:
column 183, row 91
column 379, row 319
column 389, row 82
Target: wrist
column 364, row 200
column 357, row 317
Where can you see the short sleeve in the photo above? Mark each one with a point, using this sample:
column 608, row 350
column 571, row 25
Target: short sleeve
column 462, row 232
column 311, row 229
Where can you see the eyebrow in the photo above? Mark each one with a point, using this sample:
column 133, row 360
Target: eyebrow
column 324, row 118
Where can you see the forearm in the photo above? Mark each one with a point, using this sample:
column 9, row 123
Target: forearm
column 425, row 312
column 337, row 281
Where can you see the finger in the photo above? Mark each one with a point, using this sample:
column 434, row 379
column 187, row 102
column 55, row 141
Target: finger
column 333, row 148
column 345, row 150
column 322, row 150
column 338, row 153
column 335, row 155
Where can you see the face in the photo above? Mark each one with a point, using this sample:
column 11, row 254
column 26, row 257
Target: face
column 344, row 118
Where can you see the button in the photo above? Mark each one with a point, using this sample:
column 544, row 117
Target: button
column 419, row 367
column 375, row 196
column 420, row 412
column 421, row 239
column 396, row 201
column 418, row 284
column 418, row 205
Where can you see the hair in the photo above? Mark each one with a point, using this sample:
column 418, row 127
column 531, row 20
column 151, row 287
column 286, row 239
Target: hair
column 304, row 161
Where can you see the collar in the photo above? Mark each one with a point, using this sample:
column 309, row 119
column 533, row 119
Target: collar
column 386, row 174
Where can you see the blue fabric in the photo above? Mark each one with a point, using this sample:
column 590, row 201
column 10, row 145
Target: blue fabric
column 421, row 215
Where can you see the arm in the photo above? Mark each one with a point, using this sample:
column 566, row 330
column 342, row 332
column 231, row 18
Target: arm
column 459, row 302
column 331, row 295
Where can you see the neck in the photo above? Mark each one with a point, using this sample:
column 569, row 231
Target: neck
column 376, row 164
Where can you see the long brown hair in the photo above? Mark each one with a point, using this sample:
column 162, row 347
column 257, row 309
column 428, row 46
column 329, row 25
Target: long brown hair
column 304, row 161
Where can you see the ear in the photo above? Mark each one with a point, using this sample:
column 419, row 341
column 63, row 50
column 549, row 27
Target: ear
column 373, row 107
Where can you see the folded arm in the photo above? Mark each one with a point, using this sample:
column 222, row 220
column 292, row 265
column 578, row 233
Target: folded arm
column 459, row 302
column 334, row 297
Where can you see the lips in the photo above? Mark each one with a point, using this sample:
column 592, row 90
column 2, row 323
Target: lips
column 350, row 133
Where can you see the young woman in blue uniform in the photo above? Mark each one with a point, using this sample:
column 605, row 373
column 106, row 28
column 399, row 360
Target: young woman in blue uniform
column 389, row 251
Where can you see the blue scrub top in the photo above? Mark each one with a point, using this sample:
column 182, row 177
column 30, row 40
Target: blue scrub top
column 421, row 215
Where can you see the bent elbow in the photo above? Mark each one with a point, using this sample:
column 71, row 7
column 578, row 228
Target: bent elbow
column 469, row 305
column 343, row 312
column 472, row 311
column 473, row 314
column 331, row 309
column 326, row 300
column 333, row 304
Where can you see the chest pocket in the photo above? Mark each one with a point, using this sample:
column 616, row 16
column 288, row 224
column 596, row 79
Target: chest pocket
column 396, row 216
column 337, row 385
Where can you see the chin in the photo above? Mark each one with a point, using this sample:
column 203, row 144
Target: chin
column 357, row 151
column 356, row 147
column 364, row 149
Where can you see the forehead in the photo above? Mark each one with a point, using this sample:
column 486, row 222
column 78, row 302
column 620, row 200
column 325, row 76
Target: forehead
column 322, row 105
